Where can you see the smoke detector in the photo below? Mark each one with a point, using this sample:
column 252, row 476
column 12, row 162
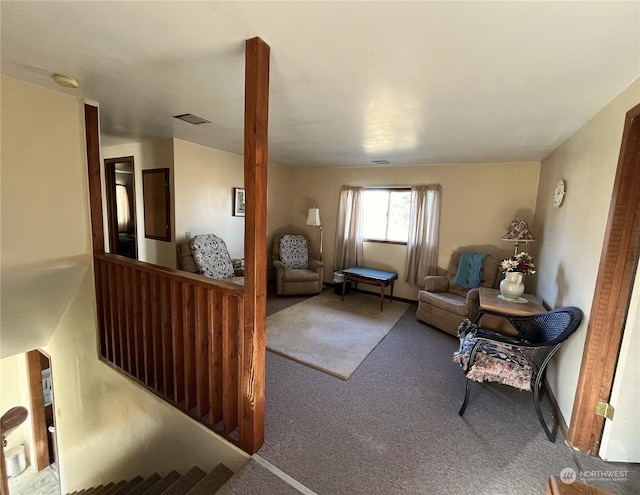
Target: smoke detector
column 66, row 81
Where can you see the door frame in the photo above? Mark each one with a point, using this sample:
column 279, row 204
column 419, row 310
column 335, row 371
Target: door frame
column 37, row 408
column 110, row 190
column 616, row 272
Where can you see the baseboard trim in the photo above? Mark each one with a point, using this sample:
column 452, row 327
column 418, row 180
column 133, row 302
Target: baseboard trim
column 562, row 424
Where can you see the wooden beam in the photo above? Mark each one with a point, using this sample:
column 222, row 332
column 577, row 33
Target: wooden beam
column 252, row 344
column 618, row 263
column 93, row 163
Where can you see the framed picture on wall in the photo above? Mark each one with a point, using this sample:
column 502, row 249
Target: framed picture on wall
column 238, row 202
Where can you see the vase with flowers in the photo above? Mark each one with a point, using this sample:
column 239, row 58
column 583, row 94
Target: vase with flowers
column 514, row 268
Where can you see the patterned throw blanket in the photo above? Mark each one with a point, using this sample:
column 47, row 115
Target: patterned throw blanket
column 469, row 271
column 494, row 361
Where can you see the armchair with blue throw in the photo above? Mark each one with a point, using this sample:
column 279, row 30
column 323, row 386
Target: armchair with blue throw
column 520, row 361
column 448, row 299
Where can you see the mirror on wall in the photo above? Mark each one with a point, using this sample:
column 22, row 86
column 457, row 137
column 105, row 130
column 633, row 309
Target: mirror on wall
column 121, row 208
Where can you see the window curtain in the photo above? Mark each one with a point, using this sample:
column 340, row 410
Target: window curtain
column 348, row 247
column 122, row 208
column 424, row 224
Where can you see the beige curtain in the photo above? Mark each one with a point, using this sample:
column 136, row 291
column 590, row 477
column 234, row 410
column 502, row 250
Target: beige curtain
column 348, row 247
column 422, row 247
column 122, row 208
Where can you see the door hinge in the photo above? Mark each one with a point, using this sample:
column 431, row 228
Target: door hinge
column 605, row 409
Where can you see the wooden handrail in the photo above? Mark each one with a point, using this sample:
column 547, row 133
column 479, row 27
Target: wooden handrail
column 172, row 272
column 177, row 334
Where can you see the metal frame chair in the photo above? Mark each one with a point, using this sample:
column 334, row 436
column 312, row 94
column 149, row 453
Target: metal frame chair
column 539, row 338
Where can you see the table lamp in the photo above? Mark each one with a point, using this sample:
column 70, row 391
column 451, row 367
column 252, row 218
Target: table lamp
column 518, row 231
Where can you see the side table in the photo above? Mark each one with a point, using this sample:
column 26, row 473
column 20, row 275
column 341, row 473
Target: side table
column 493, row 310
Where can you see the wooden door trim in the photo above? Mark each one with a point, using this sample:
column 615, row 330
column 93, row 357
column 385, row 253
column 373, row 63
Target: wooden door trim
column 36, row 405
column 618, row 264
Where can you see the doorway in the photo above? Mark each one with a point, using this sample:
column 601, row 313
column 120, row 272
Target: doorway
column 42, row 410
column 121, row 206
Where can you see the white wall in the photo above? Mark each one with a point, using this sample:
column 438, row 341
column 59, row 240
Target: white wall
column 571, row 237
column 107, row 427
column 479, row 201
column 15, row 392
column 45, row 160
column 204, row 182
column 147, row 155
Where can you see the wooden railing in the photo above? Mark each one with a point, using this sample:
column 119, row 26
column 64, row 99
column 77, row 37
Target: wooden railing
column 179, row 335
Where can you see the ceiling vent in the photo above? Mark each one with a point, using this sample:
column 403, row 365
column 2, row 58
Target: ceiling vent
column 380, row 162
column 192, row 119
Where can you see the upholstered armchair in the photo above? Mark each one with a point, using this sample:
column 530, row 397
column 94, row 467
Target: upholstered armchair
column 296, row 273
column 208, row 255
column 443, row 304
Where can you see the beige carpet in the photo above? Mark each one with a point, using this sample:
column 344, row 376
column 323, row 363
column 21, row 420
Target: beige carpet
column 330, row 335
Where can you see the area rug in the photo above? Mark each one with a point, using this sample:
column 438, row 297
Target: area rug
column 330, row 335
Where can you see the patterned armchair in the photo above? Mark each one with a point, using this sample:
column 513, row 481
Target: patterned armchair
column 208, row 256
column 518, row 362
column 295, row 272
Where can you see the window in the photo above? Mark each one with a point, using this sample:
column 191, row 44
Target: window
column 385, row 215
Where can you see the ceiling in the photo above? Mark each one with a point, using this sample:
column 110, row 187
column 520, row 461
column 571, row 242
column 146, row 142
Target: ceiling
column 351, row 82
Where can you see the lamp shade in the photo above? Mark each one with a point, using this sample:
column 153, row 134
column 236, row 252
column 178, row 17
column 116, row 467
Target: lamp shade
column 518, row 231
column 313, row 217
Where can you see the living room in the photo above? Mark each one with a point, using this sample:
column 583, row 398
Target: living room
column 479, row 201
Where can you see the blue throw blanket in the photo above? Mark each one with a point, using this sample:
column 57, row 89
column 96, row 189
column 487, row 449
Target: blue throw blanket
column 470, row 270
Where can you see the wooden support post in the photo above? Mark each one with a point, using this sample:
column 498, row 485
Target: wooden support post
column 95, row 188
column 252, row 341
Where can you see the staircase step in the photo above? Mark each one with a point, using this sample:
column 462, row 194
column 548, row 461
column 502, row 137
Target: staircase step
column 163, row 484
column 91, row 491
column 128, row 486
column 212, row 482
column 100, row 490
column 186, row 482
column 145, row 485
column 114, row 488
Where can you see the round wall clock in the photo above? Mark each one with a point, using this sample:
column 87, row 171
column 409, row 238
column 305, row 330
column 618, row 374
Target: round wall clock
column 558, row 195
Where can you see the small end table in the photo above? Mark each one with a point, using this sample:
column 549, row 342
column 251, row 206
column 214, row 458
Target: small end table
column 492, row 305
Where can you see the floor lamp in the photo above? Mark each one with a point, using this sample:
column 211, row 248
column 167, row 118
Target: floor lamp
column 313, row 219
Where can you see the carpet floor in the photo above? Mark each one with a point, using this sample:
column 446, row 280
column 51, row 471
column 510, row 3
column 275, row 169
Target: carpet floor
column 393, row 427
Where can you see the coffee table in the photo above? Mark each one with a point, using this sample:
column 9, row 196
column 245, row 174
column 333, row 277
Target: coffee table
column 369, row 276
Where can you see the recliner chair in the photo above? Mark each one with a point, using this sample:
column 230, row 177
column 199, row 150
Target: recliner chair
column 296, row 273
column 444, row 305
